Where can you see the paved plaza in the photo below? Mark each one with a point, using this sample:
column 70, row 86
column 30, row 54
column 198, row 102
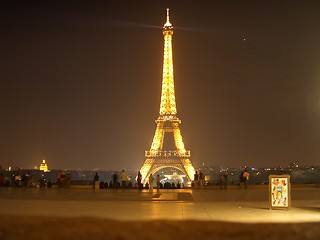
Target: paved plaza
column 233, row 204
column 180, row 214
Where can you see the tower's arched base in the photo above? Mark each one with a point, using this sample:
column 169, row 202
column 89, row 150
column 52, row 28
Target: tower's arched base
column 152, row 166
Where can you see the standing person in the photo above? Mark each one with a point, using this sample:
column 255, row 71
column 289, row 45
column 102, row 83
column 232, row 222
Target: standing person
column 158, row 182
column 220, row 180
column 49, row 184
column 124, row 178
column 42, row 182
column 63, row 179
column 1, row 179
column 59, row 179
column 245, row 177
column 241, row 179
column 196, row 179
column 95, row 180
column 201, row 179
column 139, row 179
column 151, row 183
column 225, row 180
column 115, row 183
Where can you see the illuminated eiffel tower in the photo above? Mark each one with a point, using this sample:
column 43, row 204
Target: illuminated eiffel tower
column 167, row 122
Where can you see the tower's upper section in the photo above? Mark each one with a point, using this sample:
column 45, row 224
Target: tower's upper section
column 168, row 102
column 168, row 26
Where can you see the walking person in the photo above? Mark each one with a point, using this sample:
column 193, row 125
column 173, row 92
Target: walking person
column 124, row 178
column 151, row 183
column 245, row 178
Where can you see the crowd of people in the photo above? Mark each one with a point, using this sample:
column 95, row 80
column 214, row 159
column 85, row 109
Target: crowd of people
column 114, row 183
column 126, row 182
column 243, row 180
column 198, row 180
column 25, row 180
column 120, row 181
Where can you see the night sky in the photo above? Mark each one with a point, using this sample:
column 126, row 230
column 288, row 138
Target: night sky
column 81, row 82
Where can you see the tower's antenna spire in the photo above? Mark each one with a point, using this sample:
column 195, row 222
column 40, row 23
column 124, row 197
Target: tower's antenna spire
column 168, row 24
column 168, row 21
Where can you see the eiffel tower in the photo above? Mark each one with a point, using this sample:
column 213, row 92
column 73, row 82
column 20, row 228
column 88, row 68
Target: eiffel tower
column 167, row 123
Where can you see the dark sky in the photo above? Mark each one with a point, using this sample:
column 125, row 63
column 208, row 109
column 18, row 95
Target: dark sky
column 81, row 81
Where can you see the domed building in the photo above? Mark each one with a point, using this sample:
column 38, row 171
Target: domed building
column 44, row 166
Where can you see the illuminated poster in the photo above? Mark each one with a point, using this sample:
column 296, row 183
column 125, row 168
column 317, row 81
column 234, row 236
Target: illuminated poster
column 279, row 191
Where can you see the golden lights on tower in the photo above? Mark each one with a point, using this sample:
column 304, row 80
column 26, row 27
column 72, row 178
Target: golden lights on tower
column 167, row 121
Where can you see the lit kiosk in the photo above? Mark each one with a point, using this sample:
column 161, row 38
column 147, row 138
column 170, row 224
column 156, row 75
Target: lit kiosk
column 167, row 123
column 44, row 166
column 279, row 192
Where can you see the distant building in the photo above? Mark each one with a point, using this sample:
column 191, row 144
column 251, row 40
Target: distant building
column 44, row 166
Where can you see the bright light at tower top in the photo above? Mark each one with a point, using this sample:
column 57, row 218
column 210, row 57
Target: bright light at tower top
column 167, row 25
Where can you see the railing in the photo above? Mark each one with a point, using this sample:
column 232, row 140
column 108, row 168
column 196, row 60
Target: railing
column 167, row 154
